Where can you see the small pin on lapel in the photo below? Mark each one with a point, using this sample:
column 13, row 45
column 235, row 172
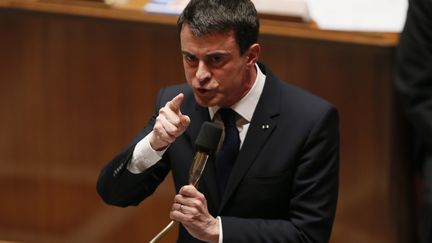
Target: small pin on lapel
column 265, row 126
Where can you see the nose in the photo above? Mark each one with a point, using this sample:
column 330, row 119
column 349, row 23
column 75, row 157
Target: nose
column 202, row 73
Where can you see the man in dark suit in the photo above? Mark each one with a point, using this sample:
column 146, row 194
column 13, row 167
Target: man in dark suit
column 414, row 86
column 283, row 185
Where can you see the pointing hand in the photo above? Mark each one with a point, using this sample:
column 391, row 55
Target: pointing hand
column 170, row 123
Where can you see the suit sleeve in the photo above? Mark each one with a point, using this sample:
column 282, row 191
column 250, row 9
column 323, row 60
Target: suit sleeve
column 117, row 186
column 314, row 194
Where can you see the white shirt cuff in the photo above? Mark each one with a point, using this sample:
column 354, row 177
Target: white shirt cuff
column 144, row 156
column 220, row 229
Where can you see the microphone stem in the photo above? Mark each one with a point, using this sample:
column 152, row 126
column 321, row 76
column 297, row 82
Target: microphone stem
column 163, row 232
column 195, row 172
column 197, row 168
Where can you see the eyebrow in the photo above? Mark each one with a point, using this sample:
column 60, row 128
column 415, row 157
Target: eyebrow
column 223, row 53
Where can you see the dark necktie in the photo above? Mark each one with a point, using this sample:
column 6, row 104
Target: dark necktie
column 230, row 147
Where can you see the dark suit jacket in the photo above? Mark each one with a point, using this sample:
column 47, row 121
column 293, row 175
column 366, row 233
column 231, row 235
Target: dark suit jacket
column 414, row 74
column 284, row 184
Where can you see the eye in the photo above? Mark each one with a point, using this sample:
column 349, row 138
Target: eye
column 215, row 60
column 191, row 59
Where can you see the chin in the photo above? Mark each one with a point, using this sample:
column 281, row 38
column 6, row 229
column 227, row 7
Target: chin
column 205, row 102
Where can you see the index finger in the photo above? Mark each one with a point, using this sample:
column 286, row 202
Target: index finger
column 175, row 103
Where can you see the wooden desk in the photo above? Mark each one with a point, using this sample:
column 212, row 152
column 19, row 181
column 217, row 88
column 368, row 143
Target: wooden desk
column 78, row 81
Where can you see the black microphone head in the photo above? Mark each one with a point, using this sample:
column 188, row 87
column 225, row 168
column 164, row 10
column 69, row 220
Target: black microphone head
column 208, row 137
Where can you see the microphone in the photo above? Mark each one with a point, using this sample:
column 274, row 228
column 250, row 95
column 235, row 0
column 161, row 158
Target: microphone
column 206, row 144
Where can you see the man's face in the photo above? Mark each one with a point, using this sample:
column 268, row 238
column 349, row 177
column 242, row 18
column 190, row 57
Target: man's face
column 214, row 68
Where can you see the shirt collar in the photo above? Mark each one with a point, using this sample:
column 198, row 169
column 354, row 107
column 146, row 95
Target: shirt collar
column 246, row 106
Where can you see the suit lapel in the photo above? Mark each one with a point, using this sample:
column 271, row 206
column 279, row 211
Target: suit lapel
column 263, row 123
column 198, row 116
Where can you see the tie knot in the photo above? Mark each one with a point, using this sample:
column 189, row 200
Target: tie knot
column 228, row 117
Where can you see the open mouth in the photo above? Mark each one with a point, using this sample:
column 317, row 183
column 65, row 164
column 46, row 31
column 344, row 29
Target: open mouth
column 202, row 91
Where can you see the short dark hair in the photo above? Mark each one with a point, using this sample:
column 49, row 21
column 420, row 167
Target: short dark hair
column 215, row 16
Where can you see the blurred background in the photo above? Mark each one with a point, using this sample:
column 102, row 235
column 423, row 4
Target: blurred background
column 79, row 78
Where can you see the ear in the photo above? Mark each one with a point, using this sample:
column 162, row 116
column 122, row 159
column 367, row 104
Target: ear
column 252, row 54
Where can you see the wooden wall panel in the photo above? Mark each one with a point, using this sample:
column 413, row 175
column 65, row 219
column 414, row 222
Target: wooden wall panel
column 73, row 93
